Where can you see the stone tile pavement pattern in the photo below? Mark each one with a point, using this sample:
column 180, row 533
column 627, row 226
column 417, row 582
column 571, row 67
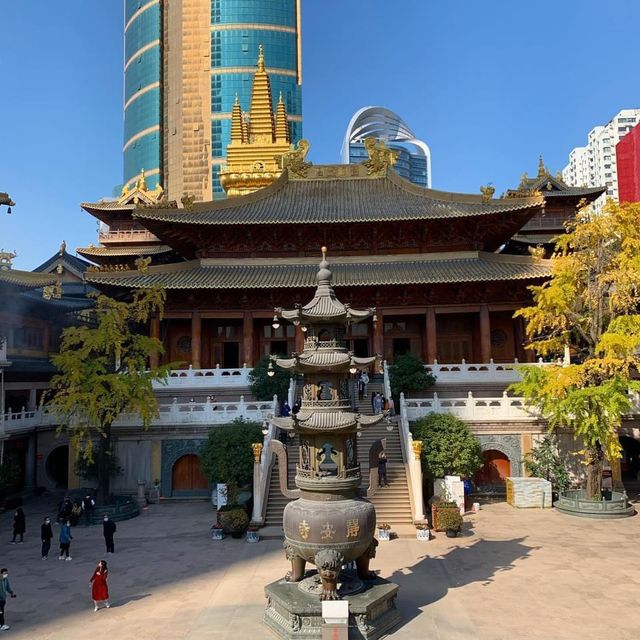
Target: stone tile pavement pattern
column 515, row 574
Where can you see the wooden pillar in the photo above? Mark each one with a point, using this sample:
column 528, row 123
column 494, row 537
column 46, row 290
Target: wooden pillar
column 432, row 338
column 247, row 339
column 300, row 336
column 378, row 336
column 196, row 339
column 154, row 331
column 523, row 354
column 485, row 334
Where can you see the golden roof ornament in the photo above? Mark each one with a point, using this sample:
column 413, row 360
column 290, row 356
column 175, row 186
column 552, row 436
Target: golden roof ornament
column 542, row 170
column 487, row 192
column 141, row 185
column 294, row 160
column 63, row 248
column 142, row 264
column 380, row 157
column 188, row 201
column 6, row 259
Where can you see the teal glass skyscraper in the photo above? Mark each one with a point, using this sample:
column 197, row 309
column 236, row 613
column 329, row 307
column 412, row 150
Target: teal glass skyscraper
column 142, row 90
column 185, row 62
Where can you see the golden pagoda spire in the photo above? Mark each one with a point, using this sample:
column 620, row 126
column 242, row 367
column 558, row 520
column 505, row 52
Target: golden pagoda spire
column 258, row 141
column 261, row 112
column 542, row 170
column 282, row 124
column 142, row 183
column 236, row 122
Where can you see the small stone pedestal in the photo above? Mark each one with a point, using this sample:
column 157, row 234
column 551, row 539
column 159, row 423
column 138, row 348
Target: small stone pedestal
column 291, row 613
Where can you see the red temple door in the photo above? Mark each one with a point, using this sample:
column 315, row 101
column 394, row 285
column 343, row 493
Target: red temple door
column 187, row 475
column 495, row 470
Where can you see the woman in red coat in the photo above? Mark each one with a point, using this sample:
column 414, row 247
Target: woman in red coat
column 99, row 588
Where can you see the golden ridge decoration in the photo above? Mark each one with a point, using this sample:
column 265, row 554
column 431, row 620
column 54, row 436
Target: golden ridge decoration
column 295, row 159
column 380, row 157
column 487, row 192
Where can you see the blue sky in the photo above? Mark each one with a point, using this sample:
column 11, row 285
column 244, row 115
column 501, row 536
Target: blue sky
column 488, row 85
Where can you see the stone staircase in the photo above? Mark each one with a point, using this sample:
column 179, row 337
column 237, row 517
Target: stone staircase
column 276, row 502
column 392, row 503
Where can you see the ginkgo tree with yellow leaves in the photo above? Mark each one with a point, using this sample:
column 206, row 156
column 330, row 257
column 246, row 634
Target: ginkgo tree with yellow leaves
column 103, row 372
column 591, row 303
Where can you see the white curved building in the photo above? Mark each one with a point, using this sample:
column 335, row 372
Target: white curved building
column 414, row 162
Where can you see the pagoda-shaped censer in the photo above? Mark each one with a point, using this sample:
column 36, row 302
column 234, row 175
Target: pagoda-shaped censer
column 328, row 524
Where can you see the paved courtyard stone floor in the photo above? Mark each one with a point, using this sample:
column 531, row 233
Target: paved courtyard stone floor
column 514, row 574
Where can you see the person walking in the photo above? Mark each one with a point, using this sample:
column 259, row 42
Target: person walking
column 392, row 406
column 19, row 525
column 46, row 533
column 377, row 403
column 87, row 506
column 65, row 541
column 364, row 379
column 5, row 588
column 99, row 587
column 382, row 469
column 108, row 529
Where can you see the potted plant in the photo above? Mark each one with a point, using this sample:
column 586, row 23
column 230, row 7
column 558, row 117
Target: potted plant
column 384, row 531
column 451, row 522
column 422, row 532
column 438, row 507
column 216, row 532
column 253, row 534
column 232, row 516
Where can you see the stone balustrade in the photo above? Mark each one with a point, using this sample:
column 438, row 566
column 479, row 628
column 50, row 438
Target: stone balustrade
column 205, row 378
column 175, row 413
column 488, row 372
column 472, row 408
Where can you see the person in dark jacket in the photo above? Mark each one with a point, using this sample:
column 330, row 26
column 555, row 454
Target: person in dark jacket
column 382, row 469
column 19, row 525
column 5, row 588
column 108, row 529
column 87, row 506
column 45, row 535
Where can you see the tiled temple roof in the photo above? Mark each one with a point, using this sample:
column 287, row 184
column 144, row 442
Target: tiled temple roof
column 337, row 200
column 137, row 250
column 433, row 268
column 26, row 279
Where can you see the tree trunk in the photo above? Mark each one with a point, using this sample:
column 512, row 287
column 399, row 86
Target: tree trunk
column 104, row 467
column 594, row 474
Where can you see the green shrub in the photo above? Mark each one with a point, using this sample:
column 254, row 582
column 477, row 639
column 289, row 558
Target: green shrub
column 544, row 461
column 448, row 447
column 407, row 373
column 227, row 457
column 263, row 386
column 449, row 519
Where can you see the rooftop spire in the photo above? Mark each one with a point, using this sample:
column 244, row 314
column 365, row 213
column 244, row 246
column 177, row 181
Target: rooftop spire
column 324, row 275
column 282, row 123
column 236, row 122
column 542, row 170
column 261, row 112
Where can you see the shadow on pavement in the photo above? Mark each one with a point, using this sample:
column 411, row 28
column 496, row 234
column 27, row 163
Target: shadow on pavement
column 121, row 602
column 430, row 578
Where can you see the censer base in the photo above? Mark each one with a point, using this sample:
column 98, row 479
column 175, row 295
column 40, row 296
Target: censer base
column 295, row 612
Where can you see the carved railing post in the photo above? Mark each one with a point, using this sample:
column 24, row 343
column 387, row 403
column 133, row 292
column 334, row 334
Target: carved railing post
column 281, row 453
